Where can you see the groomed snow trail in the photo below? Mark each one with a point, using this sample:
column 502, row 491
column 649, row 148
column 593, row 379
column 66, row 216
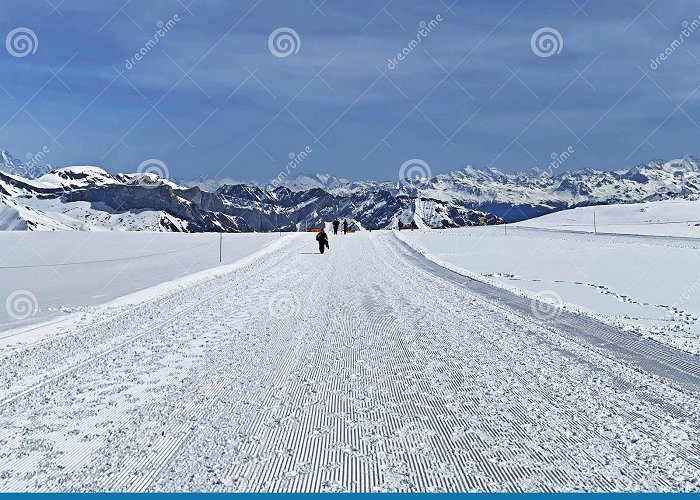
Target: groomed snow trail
column 357, row 370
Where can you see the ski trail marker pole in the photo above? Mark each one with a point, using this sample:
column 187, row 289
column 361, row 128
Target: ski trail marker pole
column 595, row 228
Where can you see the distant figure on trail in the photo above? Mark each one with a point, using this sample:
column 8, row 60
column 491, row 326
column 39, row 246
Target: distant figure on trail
column 345, row 226
column 322, row 239
column 400, row 225
column 336, row 223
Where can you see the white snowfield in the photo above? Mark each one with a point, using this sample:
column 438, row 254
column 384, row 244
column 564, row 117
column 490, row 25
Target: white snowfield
column 44, row 275
column 368, row 368
column 659, row 218
column 648, row 285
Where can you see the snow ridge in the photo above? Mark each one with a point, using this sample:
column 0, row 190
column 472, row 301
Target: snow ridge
column 86, row 197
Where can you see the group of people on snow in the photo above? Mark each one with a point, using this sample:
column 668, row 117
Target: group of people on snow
column 322, row 237
column 411, row 227
column 336, row 225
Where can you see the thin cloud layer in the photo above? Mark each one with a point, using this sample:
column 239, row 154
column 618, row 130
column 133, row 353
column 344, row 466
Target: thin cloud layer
column 366, row 86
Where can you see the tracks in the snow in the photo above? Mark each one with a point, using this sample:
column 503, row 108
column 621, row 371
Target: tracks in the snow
column 681, row 368
column 78, row 347
column 199, row 302
column 154, row 326
column 383, row 377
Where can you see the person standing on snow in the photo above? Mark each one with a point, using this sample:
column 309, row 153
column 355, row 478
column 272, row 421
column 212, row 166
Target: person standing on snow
column 345, row 226
column 336, row 223
column 322, row 239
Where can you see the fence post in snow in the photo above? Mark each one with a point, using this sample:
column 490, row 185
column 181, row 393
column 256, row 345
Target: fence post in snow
column 595, row 228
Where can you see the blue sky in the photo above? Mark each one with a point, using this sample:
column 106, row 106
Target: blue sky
column 211, row 99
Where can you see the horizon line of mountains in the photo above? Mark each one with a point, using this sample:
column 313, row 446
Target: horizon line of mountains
column 88, row 198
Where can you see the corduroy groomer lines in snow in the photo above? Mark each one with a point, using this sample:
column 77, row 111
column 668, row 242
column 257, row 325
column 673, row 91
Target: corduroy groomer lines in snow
column 383, row 376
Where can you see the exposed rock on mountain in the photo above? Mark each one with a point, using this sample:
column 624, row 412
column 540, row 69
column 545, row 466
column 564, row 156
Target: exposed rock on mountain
column 89, row 198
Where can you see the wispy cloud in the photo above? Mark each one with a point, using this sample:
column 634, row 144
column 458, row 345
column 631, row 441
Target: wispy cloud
column 210, row 94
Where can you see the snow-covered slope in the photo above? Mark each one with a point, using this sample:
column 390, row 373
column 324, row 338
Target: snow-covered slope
column 661, row 218
column 531, row 194
column 208, row 183
column 52, row 214
column 461, row 197
column 359, row 372
column 648, row 285
column 30, row 170
column 74, row 178
column 42, row 204
column 15, row 216
column 316, row 181
column 68, row 271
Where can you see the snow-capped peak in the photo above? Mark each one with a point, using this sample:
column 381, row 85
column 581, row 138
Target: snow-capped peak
column 457, row 198
column 75, row 177
column 14, row 166
column 306, row 182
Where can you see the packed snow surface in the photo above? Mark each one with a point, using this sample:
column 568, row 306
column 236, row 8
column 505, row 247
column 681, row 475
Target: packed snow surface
column 649, row 285
column 358, row 370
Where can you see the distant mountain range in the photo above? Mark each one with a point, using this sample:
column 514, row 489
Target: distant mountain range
column 88, row 198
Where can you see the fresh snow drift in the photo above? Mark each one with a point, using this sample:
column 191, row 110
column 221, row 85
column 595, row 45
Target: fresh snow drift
column 358, row 370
